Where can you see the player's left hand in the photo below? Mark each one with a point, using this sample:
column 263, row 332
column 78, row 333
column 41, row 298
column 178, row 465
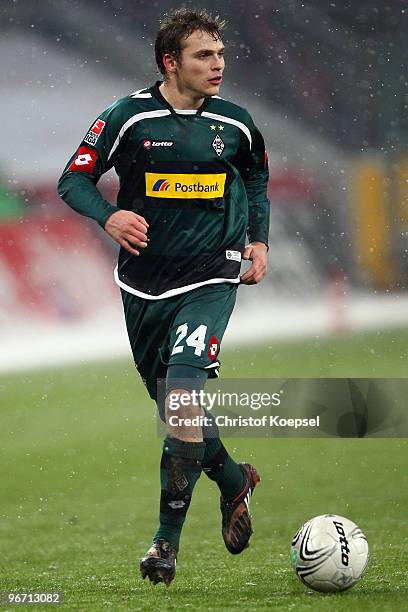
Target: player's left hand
column 257, row 252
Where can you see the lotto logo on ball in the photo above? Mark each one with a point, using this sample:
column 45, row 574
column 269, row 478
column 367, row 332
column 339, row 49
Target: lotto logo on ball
column 85, row 160
column 329, row 553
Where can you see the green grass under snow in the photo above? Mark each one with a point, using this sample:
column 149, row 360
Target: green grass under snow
column 79, row 490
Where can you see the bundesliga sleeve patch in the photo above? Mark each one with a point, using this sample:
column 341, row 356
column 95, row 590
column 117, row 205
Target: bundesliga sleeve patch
column 85, row 160
column 95, row 131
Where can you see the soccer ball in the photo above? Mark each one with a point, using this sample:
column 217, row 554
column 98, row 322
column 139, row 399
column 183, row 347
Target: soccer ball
column 329, row 553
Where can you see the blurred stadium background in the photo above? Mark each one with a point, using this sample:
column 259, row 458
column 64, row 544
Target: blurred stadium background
column 327, row 85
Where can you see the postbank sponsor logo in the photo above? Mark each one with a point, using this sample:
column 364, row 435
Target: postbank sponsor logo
column 193, row 186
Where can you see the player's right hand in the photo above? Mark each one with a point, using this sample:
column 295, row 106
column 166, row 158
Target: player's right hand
column 128, row 229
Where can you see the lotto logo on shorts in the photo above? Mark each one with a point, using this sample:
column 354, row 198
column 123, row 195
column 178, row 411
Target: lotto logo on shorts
column 95, row 131
column 183, row 186
column 213, row 348
column 85, row 160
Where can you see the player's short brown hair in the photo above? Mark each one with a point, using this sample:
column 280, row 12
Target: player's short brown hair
column 179, row 25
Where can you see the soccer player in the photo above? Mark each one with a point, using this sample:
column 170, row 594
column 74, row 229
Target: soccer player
column 193, row 180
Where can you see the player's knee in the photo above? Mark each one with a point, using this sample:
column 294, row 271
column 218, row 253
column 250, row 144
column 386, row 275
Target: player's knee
column 183, row 413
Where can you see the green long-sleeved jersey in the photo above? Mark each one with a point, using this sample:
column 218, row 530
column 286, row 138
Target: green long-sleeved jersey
column 198, row 177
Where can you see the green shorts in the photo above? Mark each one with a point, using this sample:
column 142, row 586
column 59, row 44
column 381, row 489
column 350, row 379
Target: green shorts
column 185, row 329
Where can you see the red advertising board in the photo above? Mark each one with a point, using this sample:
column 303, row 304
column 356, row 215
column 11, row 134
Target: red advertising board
column 53, row 270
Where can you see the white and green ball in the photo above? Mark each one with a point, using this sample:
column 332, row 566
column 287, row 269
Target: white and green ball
column 329, row 553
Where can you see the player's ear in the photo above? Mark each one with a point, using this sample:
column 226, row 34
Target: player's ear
column 170, row 63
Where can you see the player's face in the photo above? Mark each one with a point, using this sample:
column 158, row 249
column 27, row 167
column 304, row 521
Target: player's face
column 201, row 65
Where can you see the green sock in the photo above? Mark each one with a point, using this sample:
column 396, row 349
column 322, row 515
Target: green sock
column 220, row 467
column 180, row 468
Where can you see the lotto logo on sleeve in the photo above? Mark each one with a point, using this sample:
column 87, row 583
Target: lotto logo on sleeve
column 183, row 186
column 95, row 131
column 85, row 160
